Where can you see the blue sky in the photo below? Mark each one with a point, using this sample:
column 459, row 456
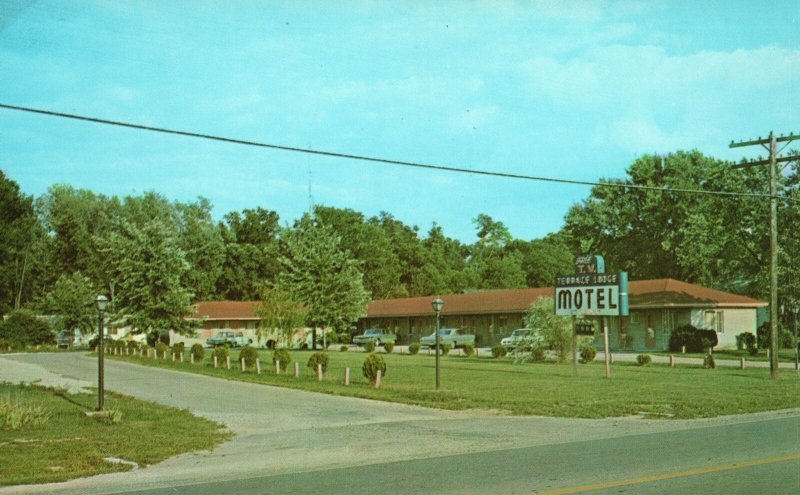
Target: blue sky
column 572, row 90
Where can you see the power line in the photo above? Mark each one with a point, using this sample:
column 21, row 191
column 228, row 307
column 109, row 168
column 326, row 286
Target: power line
column 349, row 156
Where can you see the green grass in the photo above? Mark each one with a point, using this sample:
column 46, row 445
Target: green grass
column 72, row 445
column 547, row 389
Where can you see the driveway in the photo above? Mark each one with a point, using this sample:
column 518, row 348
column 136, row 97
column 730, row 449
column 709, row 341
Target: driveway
column 281, row 431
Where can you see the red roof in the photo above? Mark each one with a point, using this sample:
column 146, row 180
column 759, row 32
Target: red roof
column 643, row 294
column 226, row 310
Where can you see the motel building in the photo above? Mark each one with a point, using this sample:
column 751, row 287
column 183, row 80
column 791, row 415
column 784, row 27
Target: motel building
column 656, row 308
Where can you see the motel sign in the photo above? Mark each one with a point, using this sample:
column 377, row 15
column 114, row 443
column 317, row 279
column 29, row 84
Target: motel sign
column 597, row 294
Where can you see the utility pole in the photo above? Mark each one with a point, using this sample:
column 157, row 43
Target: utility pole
column 771, row 144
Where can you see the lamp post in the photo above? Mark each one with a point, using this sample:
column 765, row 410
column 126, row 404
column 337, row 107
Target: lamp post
column 796, row 309
column 101, row 302
column 437, row 307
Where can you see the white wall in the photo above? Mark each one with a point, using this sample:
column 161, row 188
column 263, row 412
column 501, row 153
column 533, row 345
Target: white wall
column 736, row 321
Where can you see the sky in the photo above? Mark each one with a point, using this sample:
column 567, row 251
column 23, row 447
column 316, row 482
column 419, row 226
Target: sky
column 572, row 90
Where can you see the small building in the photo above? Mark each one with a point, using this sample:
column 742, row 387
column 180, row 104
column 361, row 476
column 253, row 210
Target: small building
column 217, row 316
column 657, row 307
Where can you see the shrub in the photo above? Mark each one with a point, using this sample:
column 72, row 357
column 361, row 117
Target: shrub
column 15, row 415
column 221, row 353
column 499, row 351
column 23, row 328
column 643, row 359
column 316, row 359
column 445, row 349
column 371, row 365
column 344, row 348
column 785, row 337
column 178, row 347
column 198, row 352
column 413, row 348
column 388, row 347
column 537, row 353
column 134, row 346
column 161, row 349
column 281, row 356
column 588, row 352
column 708, row 361
column 369, row 346
column 469, row 350
column 249, row 354
column 694, row 339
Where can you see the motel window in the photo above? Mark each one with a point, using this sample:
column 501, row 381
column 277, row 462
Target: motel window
column 714, row 321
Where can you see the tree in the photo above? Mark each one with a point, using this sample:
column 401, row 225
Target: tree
column 322, row 276
column 554, row 331
column 251, row 243
column 545, row 259
column 72, row 301
column 202, row 244
column 495, row 264
column 279, row 311
column 368, row 243
column 150, row 267
column 710, row 240
column 18, row 229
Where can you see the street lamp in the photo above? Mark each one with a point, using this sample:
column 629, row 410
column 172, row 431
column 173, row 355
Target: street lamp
column 437, row 307
column 101, row 302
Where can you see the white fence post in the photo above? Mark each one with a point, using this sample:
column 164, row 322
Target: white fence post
column 671, row 361
column 319, row 372
column 378, row 380
column 347, row 376
column 258, row 366
column 228, row 362
column 296, row 369
column 215, row 361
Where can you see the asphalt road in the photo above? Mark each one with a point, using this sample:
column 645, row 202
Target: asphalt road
column 290, row 441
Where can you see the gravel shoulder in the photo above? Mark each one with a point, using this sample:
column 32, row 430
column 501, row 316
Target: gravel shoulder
column 281, row 431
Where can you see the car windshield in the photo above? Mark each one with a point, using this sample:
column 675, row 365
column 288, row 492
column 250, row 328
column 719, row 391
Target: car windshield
column 520, row 333
column 446, row 331
column 373, row 332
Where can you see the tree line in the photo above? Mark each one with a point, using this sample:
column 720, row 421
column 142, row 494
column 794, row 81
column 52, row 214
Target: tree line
column 154, row 257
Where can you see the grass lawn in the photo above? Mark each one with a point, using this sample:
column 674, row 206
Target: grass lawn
column 72, row 445
column 535, row 388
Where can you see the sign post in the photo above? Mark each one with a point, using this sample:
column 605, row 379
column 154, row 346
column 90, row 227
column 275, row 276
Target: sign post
column 591, row 292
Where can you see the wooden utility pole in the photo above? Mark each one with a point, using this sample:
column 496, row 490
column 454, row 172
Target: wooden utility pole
column 771, row 144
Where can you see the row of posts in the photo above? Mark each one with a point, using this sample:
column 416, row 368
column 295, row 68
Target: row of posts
column 243, row 365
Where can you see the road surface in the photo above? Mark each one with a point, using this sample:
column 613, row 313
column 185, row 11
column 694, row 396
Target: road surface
column 289, row 441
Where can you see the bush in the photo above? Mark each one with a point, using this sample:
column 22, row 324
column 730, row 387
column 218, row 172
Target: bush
column 344, row 348
column 747, row 341
column 694, row 339
column 178, row 348
column 316, row 359
column 445, row 349
column 785, row 337
column 469, row 350
column 161, row 349
column 134, row 346
column 388, row 347
column 281, row 356
column 499, row 351
column 23, row 328
column 371, row 365
column 538, row 354
column 708, row 361
column 198, row 352
column 249, row 354
column 643, row 359
column 15, row 415
column 221, row 353
column 588, row 353
column 369, row 346
column 413, row 348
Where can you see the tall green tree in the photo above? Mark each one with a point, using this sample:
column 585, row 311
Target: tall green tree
column 494, row 262
column 279, row 312
column 18, row 230
column 716, row 241
column 202, row 243
column 368, row 243
column 554, row 331
column 322, row 276
column 72, row 301
column 150, row 267
column 545, row 259
column 252, row 252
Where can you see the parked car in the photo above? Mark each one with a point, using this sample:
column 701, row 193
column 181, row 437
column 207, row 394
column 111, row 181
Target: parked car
column 455, row 337
column 377, row 335
column 517, row 337
column 230, row 339
column 64, row 339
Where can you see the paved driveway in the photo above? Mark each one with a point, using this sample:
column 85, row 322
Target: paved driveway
column 282, row 431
